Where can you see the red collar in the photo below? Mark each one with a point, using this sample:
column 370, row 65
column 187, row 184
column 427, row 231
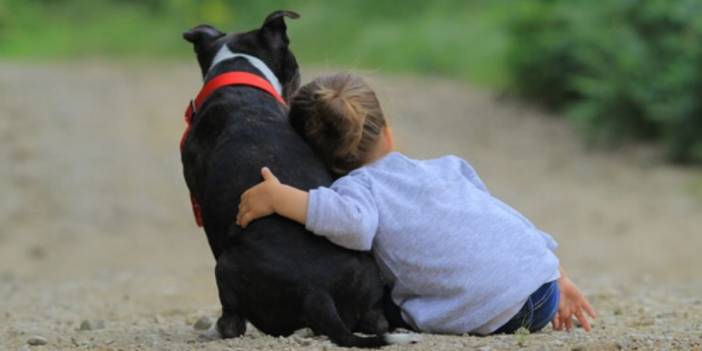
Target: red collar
column 222, row 80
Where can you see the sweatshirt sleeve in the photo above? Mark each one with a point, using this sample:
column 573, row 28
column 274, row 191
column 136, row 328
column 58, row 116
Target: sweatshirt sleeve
column 346, row 213
column 550, row 242
column 471, row 175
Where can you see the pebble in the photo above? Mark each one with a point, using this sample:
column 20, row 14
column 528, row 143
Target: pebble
column 203, row 323
column 304, row 333
column 37, row 340
column 301, row 341
column 92, row 325
column 36, row 252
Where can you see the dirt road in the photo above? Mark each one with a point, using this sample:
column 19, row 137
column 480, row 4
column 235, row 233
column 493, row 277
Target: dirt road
column 96, row 225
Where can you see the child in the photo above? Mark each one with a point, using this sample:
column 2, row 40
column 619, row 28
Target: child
column 458, row 259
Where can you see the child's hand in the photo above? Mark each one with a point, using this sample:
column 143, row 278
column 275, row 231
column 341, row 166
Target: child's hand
column 573, row 302
column 259, row 200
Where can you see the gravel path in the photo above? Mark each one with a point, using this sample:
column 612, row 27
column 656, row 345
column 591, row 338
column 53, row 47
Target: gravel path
column 98, row 250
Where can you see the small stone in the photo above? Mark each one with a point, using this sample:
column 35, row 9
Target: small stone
column 75, row 342
column 304, row 333
column 301, row 341
column 37, row 340
column 36, row 252
column 92, row 325
column 203, row 323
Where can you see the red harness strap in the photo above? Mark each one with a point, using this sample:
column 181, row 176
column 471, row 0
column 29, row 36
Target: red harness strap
column 222, row 80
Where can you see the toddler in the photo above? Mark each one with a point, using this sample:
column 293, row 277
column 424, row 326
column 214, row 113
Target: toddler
column 458, row 260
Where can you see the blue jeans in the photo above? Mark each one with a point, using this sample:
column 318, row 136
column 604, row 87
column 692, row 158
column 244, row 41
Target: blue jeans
column 537, row 312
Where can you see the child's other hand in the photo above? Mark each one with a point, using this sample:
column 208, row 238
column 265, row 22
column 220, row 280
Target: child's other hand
column 573, row 303
column 259, row 200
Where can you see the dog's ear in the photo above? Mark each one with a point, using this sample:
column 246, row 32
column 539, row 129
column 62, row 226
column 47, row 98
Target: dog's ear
column 274, row 29
column 201, row 34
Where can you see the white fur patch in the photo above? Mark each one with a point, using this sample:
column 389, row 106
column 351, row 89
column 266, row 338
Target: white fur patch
column 225, row 53
column 402, row 339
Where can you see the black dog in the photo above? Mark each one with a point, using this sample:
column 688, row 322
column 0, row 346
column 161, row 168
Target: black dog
column 274, row 273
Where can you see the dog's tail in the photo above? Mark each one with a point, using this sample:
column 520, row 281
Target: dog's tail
column 323, row 317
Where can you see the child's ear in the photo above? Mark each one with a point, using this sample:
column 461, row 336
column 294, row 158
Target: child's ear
column 389, row 139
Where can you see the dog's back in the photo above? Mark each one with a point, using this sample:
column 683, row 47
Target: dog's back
column 274, row 273
column 269, row 266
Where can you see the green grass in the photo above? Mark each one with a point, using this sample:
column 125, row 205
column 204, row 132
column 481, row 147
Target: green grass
column 459, row 39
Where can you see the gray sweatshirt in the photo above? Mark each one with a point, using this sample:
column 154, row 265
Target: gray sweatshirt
column 459, row 260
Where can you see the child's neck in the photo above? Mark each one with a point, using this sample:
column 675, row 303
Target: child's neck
column 384, row 146
column 377, row 156
column 382, row 150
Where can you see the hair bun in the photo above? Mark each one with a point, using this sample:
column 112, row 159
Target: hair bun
column 343, row 119
column 341, row 110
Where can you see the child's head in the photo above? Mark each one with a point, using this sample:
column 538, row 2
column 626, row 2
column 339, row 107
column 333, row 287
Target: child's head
column 340, row 116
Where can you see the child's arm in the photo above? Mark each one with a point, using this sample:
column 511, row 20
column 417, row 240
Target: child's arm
column 345, row 213
column 270, row 196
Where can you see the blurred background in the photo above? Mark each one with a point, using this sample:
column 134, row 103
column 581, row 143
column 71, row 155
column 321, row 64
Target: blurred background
column 621, row 70
column 585, row 116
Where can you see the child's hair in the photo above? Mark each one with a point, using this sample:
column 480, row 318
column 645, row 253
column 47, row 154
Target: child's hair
column 340, row 116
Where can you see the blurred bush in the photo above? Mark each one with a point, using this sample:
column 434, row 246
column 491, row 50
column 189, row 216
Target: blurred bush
column 622, row 70
column 456, row 38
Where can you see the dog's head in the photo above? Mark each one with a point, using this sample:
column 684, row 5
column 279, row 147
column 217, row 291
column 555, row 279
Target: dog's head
column 268, row 43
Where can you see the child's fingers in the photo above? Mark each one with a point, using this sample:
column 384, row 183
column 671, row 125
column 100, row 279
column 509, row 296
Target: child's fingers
column 267, row 174
column 565, row 318
column 556, row 322
column 243, row 208
column 583, row 321
column 590, row 311
column 245, row 219
column 251, row 192
column 569, row 322
column 238, row 219
column 238, row 216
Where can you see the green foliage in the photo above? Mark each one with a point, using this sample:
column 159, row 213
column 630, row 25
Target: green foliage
column 624, row 70
column 53, row 29
column 461, row 39
column 521, row 336
column 621, row 69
